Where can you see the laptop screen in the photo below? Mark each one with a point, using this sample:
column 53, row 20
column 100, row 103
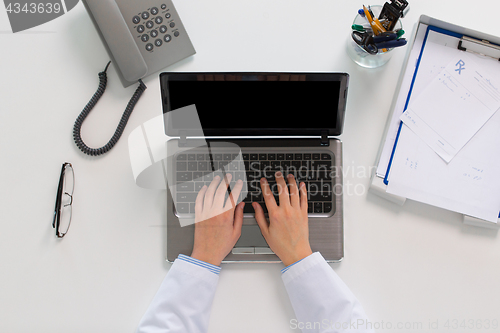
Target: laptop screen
column 259, row 103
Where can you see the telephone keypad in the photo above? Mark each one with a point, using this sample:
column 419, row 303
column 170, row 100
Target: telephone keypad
column 149, row 18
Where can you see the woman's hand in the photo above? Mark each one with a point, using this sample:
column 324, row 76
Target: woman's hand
column 287, row 232
column 217, row 223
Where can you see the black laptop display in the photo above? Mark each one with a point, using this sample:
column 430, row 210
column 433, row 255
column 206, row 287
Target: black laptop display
column 261, row 104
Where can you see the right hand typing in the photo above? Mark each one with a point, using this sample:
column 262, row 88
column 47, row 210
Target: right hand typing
column 287, row 232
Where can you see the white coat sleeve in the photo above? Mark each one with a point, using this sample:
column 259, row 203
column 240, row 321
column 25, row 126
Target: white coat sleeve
column 321, row 300
column 184, row 300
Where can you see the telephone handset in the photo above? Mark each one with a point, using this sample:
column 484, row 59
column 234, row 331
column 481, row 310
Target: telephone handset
column 141, row 38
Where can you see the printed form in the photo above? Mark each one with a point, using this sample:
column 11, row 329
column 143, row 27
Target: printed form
column 454, row 106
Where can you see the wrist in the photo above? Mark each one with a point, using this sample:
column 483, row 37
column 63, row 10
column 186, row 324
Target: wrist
column 206, row 258
column 297, row 256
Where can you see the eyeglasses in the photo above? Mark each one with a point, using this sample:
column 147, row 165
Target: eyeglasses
column 64, row 200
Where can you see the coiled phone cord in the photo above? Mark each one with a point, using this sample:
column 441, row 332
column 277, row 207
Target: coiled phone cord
column 103, row 79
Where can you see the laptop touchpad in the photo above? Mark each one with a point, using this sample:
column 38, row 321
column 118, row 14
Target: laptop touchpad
column 251, row 236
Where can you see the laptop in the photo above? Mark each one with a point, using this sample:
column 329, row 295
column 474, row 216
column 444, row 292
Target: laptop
column 277, row 121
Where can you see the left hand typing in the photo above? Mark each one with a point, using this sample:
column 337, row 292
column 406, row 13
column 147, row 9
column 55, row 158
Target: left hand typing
column 217, row 223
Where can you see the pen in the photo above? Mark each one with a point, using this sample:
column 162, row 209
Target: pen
column 385, row 36
column 391, row 43
column 371, row 12
column 358, row 27
column 368, row 17
column 374, row 23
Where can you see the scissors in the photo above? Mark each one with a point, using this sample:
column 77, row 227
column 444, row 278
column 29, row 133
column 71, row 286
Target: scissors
column 365, row 40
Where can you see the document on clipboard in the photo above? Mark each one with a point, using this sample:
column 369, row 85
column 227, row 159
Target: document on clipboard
column 454, row 106
column 407, row 166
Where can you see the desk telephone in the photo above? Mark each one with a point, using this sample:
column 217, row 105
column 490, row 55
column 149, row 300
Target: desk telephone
column 141, row 38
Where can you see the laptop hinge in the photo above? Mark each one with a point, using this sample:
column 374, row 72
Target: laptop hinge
column 183, row 139
column 324, row 138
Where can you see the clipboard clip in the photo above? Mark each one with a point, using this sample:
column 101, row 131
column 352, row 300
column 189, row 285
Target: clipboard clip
column 478, row 46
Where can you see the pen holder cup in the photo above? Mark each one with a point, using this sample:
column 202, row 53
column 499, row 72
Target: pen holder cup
column 358, row 54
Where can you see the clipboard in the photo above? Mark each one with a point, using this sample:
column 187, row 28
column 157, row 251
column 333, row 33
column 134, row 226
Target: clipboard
column 465, row 40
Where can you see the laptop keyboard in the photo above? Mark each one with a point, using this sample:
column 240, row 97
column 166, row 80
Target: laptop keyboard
column 316, row 170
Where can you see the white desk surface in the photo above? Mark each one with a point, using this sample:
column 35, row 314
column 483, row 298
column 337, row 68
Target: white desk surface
column 413, row 266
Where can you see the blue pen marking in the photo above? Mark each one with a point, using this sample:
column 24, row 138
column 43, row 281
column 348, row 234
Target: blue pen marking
column 461, row 67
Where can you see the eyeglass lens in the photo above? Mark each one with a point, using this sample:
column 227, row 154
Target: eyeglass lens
column 66, row 200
